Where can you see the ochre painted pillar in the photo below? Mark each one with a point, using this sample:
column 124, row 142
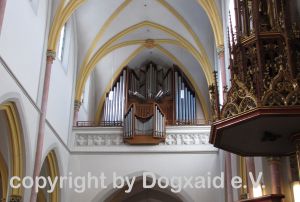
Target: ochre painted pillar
column 274, row 163
column 250, row 167
column 42, row 122
column 77, row 105
column 2, row 11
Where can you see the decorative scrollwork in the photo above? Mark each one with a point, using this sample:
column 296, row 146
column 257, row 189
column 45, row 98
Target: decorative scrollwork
column 239, row 100
column 293, row 98
column 283, row 91
column 247, row 104
column 213, row 101
column 273, row 98
column 230, row 110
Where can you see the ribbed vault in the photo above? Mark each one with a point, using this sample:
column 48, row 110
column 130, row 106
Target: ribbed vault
column 108, row 30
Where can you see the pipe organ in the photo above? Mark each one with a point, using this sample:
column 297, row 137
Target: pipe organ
column 150, row 82
column 154, row 97
column 185, row 101
column 115, row 101
column 144, row 130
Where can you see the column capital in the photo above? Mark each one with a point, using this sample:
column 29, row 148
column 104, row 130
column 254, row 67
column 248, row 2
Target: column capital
column 51, row 55
column 273, row 159
column 220, row 50
column 15, row 198
column 77, row 105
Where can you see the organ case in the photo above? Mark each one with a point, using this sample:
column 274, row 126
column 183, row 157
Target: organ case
column 148, row 98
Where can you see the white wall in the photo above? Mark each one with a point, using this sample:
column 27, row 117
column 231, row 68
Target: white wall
column 22, row 48
column 125, row 164
column 29, row 115
column 60, row 104
column 21, row 44
column 88, row 107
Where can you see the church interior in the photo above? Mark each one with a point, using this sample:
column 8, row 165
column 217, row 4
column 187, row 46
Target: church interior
column 162, row 100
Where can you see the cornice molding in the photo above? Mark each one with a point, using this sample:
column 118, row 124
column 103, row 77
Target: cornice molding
column 179, row 139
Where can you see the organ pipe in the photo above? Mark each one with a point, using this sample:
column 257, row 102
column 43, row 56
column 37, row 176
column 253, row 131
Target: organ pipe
column 176, row 97
column 114, row 104
column 169, row 88
column 185, row 104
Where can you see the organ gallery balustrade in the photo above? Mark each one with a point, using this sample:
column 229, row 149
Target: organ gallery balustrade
column 141, row 128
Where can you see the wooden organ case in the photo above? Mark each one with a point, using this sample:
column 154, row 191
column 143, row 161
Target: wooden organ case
column 148, row 98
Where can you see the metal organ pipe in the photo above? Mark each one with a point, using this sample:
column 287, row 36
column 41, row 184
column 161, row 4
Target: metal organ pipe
column 117, row 101
column 105, row 109
column 120, row 98
column 184, row 101
column 114, row 104
column 188, row 106
column 123, row 94
column 176, row 96
column 179, row 100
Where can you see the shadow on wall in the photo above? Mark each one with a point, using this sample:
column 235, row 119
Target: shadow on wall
column 140, row 194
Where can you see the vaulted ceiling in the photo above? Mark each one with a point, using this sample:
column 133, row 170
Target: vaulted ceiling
column 114, row 33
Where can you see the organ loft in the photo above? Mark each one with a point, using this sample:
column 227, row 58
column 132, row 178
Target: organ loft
column 145, row 100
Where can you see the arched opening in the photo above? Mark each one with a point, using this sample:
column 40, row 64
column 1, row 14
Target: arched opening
column 11, row 151
column 3, row 179
column 140, row 194
column 49, row 169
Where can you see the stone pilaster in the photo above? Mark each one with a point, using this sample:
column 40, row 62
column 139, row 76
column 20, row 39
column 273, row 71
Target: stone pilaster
column 274, row 163
column 250, row 164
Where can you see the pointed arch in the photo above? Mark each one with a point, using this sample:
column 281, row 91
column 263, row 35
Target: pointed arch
column 17, row 164
column 105, row 194
column 215, row 19
column 52, row 170
column 64, row 14
column 3, row 177
column 203, row 103
column 119, row 10
column 202, row 57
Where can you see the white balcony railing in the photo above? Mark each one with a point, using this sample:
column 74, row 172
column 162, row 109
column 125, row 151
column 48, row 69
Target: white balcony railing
column 110, row 139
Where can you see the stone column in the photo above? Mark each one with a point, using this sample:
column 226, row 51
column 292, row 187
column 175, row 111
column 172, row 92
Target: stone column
column 228, row 174
column 77, row 105
column 42, row 122
column 227, row 155
column 2, row 11
column 250, row 167
column 274, row 163
column 221, row 57
column 296, row 141
column 228, row 167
